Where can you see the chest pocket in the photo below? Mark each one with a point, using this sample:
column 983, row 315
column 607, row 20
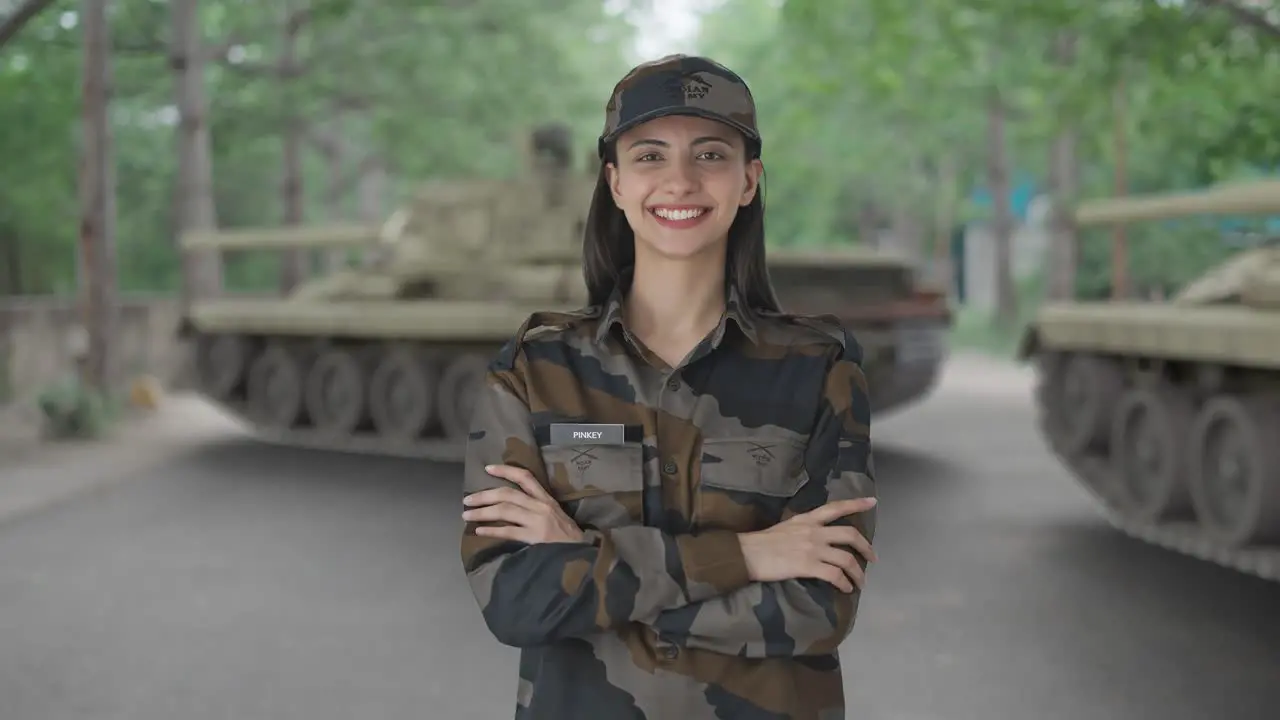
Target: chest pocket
column 600, row 486
column 748, row 481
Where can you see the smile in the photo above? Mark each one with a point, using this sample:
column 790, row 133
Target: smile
column 678, row 217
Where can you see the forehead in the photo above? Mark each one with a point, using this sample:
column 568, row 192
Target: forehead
column 676, row 129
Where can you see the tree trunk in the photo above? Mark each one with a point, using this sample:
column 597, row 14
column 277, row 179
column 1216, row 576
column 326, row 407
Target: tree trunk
column 944, row 220
column 335, row 154
column 1064, row 244
column 906, row 232
column 1064, row 183
column 372, row 192
column 1001, row 212
column 1119, row 238
column 19, row 17
column 11, row 281
column 293, row 265
column 869, row 222
column 97, row 201
column 201, row 270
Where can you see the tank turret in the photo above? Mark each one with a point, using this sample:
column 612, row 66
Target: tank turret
column 1167, row 412
column 388, row 356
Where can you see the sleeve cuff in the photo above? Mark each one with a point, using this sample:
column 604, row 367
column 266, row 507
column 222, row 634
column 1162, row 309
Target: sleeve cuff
column 713, row 564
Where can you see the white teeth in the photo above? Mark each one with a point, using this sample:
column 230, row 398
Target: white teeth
column 677, row 214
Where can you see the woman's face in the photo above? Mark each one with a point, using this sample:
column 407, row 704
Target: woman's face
column 680, row 181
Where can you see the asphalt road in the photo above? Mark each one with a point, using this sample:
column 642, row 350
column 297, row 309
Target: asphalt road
column 239, row 581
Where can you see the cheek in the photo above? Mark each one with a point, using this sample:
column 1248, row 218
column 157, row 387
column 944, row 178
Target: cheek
column 729, row 189
column 625, row 192
column 631, row 194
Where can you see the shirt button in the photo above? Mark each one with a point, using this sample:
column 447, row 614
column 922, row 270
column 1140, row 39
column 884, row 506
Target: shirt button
column 670, row 467
column 671, row 652
column 673, row 384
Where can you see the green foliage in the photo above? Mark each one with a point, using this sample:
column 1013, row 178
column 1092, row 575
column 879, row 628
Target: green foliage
column 977, row 330
column 434, row 90
column 74, row 411
column 861, row 104
column 860, row 100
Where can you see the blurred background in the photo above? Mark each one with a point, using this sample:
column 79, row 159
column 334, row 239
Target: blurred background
column 925, row 162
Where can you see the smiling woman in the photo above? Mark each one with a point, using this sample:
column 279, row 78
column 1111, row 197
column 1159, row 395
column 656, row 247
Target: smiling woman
column 670, row 491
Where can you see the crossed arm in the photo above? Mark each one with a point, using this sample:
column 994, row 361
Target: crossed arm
column 693, row 589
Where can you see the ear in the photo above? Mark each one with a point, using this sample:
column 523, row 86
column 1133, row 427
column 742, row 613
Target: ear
column 754, row 171
column 611, row 173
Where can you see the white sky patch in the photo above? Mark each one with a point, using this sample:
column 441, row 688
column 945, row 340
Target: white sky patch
column 671, row 27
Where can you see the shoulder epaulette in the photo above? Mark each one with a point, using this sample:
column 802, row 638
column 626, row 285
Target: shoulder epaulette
column 538, row 324
column 832, row 327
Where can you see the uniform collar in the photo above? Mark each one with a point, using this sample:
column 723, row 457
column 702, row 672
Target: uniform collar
column 734, row 310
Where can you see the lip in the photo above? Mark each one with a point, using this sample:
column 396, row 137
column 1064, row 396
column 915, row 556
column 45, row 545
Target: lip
column 679, row 224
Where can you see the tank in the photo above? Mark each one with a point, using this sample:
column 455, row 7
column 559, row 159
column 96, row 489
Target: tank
column 901, row 322
column 386, row 358
column 1168, row 412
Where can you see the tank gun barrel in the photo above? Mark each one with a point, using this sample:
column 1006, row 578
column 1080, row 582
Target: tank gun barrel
column 283, row 238
column 1255, row 197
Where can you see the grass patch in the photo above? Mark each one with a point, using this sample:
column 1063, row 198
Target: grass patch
column 976, row 330
column 73, row 411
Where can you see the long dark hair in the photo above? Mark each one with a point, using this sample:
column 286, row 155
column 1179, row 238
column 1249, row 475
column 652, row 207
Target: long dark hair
column 609, row 250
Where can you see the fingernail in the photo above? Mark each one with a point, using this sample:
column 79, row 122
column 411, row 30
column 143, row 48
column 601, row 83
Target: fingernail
column 489, row 468
column 872, row 502
column 466, row 515
column 467, row 500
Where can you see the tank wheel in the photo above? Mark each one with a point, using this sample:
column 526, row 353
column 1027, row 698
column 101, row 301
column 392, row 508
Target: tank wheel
column 277, row 388
column 1235, row 469
column 1080, row 395
column 221, row 362
column 459, row 386
column 402, row 394
column 335, row 394
column 1148, row 442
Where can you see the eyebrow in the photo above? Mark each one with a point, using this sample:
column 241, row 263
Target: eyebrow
column 663, row 143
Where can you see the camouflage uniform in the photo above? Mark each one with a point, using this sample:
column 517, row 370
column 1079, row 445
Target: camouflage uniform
column 655, row 616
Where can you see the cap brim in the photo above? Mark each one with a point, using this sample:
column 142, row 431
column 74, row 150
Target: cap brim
column 676, row 110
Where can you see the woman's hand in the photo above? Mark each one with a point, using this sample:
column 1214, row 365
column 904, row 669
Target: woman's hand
column 534, row 516
column 804, row 546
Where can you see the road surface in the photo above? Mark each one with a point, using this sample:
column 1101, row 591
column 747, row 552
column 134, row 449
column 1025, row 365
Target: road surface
column 230, row 580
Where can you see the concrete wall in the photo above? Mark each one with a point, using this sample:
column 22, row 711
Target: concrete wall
column 34, row 334
column 1030, row 244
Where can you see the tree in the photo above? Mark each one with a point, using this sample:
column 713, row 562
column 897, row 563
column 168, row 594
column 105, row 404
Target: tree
column 887, row 94
column 410, row 91
column 98, row 200
column 20, row 17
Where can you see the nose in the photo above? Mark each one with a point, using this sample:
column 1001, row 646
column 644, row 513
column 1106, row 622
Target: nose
column 681, row 176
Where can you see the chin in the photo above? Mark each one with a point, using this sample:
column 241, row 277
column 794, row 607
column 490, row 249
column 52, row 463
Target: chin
column 680, row 245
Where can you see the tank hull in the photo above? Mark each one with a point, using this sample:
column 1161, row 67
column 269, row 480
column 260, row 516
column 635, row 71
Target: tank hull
column 1169, row 416
column 387, row 358
column 250, row 352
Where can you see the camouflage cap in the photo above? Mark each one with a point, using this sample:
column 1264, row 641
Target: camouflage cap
column 680, row 85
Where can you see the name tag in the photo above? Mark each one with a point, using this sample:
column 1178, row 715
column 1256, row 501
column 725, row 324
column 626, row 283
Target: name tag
column 587, row 434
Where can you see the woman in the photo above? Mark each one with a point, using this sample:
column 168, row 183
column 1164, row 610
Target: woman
column 670, row 491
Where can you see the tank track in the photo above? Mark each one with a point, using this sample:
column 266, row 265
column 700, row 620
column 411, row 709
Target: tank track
column 433, row 426
column 1096, row 474
column 1184, row 536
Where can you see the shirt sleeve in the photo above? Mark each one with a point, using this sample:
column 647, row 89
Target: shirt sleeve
column 805, row 616
column 537, row 594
